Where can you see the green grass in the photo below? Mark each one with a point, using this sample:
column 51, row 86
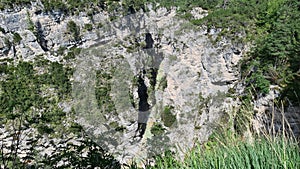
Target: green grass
column 262, row 153
column 234, row 152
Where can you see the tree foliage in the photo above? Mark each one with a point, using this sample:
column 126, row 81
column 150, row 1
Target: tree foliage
column 74, row 30
column 276, row 54
column 30, row 112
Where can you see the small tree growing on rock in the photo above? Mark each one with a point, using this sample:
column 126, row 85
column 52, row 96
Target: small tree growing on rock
column 74, row 30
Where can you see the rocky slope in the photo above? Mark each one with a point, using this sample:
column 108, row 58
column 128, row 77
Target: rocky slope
column 143, row 83
column 188, row 69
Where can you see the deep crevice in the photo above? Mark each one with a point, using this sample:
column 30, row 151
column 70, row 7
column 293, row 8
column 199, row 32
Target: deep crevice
column 143, row 107
column 149, row 41
column 143, row 95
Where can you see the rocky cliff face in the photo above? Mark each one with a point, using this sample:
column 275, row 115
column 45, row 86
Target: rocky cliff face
column 143, row 83
column 185, row 76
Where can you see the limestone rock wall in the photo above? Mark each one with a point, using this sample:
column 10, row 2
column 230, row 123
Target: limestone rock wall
column 192, row 75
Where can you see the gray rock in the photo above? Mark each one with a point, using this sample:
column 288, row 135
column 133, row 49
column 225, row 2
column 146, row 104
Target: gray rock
column 2, row 44
column 15, row 21
column 28, row 36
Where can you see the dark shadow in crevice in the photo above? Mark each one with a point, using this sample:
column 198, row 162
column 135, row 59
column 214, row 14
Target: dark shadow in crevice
column 149, row 41
column 40, row 36
column 143, row 108
column 151, row 70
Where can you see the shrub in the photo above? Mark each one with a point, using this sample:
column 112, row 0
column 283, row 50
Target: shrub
column 72, row 53
column 163, row 83
column 157, row 129
column 17, row 38
column 102, row 92
column 54, row 5
column 167, row 117
column 88, row 27
column 258, row 83
column 31, row 26
column 74, row 30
